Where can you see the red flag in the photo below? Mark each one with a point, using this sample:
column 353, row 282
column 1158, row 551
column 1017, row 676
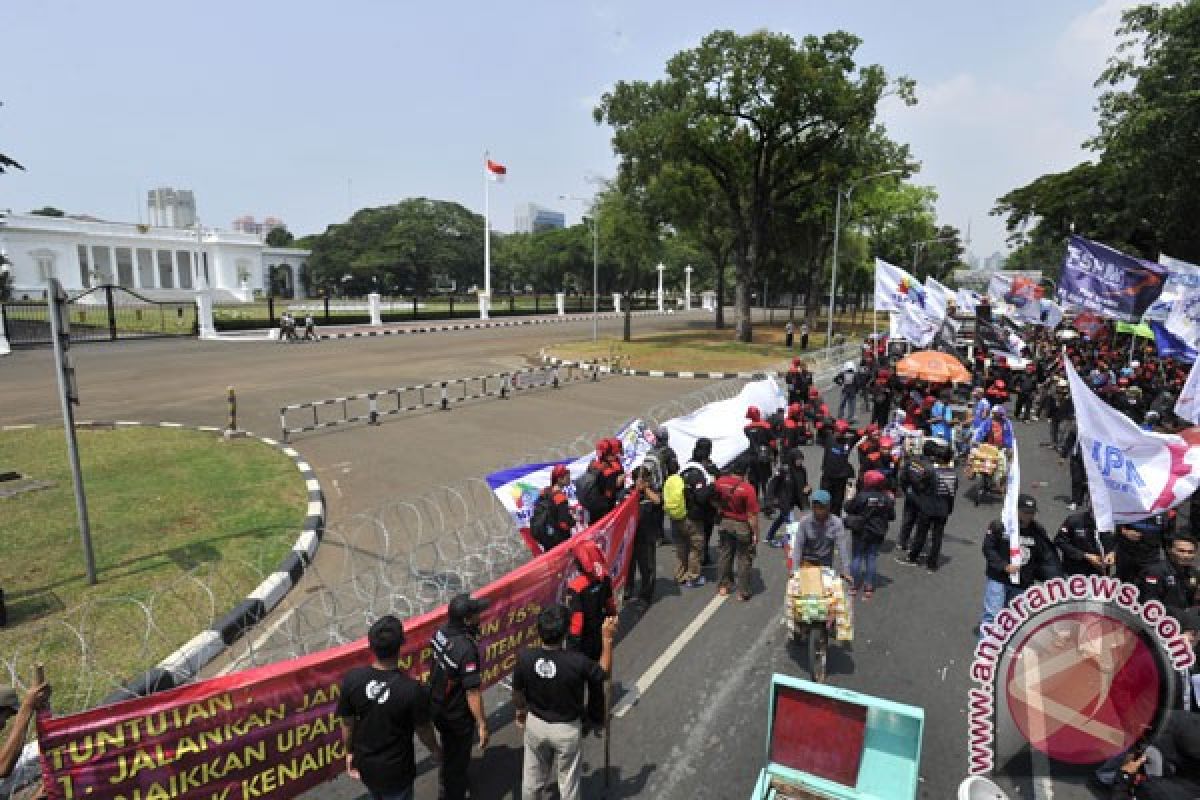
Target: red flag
column 496, row 169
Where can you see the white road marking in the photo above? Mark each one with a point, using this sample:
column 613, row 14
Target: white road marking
column 262, row 639
column 659, row 666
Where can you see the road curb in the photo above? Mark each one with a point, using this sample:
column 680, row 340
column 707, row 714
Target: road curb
column 504, row 323
column 657, row 373
column 183, row 665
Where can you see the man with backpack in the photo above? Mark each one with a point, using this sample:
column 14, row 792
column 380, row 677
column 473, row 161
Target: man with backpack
column 658, row 464
column 737, row 501
column 690, row 539
column 867, row 516
column 789, row 489
column 589, row 599
column 935, row 502
column 596, row 489
column 551, row 523
column 836, row 470
column 846, row 380
column 913, row 475
column 762, row 449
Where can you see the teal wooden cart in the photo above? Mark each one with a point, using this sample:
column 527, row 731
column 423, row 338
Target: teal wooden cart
column 826, row 743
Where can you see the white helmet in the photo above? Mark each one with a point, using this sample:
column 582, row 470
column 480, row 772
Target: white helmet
column 848, row 366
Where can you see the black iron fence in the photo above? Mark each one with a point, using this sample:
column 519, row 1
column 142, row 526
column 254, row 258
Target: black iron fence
column 354, row 311
column 102, row 314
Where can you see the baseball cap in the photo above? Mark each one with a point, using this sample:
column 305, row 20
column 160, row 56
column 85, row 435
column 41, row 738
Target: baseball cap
column 386, row 633
column 821, row 496
column 9, row 699
column 463, row 606
column 1027, row 502
column 1190, row 620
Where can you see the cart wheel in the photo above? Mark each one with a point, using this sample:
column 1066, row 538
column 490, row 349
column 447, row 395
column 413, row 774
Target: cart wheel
column 818, row 649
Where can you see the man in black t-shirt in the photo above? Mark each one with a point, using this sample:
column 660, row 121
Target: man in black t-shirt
column 456, row 694
column 549, row 687
column 381, row 708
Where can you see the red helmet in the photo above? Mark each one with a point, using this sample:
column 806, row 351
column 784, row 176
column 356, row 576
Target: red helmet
column 885, row 374
column 615, row 447
column 841, row 426
column 887, row 442
column 873, row 429
column 590, row 558
column 795, row 362
column 1123, row 382
column 603, row 448
column 813, row 394
column 1030, row 368
column 873, row 479
column 794, row 410
column 753, row 414
column 999, row 385
column 558, row 472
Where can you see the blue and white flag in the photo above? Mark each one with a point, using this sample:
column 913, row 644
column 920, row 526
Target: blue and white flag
column 1169, row 345
column 1188, row 405
column 916, row 325
column 1099, row 278
column 1132, row 474
column 895, row 288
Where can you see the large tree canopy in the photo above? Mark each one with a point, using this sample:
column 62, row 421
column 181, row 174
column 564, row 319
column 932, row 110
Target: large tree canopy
column 1139, row 194
column 762, row 115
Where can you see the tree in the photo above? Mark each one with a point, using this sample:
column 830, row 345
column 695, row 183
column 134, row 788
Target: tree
column 400, row 248
column 631, row 241
column 759, row 114
column 48, row 211
column 280, row 237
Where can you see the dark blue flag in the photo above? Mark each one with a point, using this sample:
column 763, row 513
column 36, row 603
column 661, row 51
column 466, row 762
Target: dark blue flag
column 1169, row 345
column 1117, row 286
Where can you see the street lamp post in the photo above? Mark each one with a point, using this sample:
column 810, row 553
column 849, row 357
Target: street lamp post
column 918, row 245
column 687, row 290
column 660, row 269
column 595, row 263
column 837, row 227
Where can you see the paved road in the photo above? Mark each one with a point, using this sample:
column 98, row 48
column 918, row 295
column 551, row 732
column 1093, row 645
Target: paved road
column 699, row 731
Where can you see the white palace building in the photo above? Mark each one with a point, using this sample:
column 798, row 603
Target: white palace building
column 156, row 262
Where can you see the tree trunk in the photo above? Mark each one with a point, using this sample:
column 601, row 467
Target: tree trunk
column 720, row 315
column 628, row 315
column 743, row 284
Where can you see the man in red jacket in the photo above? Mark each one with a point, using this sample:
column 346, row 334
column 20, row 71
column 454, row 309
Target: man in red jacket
column 738, row 528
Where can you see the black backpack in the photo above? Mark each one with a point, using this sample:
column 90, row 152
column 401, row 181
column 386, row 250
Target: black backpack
column 587, row 489
column 539, row 522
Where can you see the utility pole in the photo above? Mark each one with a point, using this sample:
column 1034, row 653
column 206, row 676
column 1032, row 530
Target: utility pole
column 60, row 332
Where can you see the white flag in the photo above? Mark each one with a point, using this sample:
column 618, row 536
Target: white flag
column 1184, row 317
column 938, row 297
column 916, row 325
column 1132, row 474
column 967, row 300
column 1188, row 404
column 1180, row 275
column 1008, row 515
column 895, row 288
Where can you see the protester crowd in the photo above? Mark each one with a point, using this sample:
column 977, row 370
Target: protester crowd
column 897, row 452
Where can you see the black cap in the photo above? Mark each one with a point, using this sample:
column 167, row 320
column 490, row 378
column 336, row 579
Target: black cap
column 1027, row 502
column 1190, row 620
column 463, row 606
column 387, row 634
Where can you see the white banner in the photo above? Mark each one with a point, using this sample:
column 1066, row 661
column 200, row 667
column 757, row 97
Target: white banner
column 518, row 487
column 1180, row 275
column 1008, row 515
column 1132, row 474
column 895, row 288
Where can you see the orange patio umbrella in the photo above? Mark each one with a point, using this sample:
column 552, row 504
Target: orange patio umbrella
column 933, row 366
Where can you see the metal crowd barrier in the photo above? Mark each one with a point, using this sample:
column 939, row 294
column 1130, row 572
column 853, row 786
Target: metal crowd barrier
column 370, row 407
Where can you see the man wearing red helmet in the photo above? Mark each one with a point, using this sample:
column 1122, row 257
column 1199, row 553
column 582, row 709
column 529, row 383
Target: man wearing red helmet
column 762, row 449
column 589, row 599
column 552, row 522
column 867, row 516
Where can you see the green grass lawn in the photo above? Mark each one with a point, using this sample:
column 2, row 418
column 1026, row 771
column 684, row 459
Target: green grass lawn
column 701, row 350
column 183, row 525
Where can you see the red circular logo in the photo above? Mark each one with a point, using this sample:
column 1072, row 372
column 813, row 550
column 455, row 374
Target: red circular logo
column 1083, row 686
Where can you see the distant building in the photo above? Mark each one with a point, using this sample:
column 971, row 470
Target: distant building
column 531, row 218
column 159, row 263
column 171, row 208
column 247, row 224
column 995, row 261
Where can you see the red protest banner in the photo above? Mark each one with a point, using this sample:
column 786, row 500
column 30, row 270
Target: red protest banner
column 272, row 731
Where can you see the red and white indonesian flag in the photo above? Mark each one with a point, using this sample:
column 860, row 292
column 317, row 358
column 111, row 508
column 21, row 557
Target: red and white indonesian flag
column 1132, row 474
column 496, row 170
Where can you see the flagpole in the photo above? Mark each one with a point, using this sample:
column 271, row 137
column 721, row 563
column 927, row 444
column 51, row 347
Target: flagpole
column 485, row 302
